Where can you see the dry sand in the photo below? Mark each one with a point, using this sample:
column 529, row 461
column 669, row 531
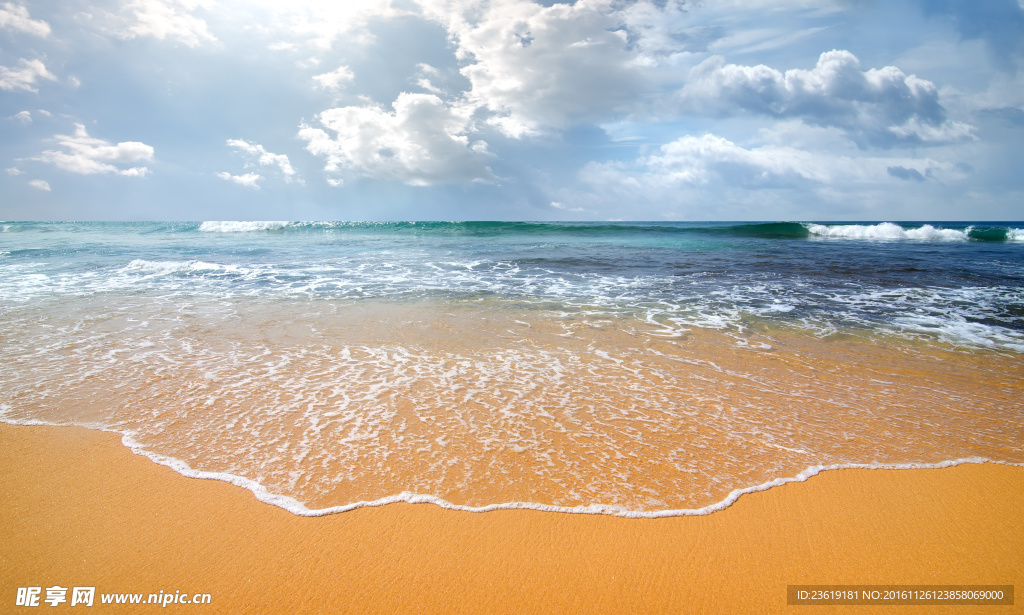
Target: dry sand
column 79, row 509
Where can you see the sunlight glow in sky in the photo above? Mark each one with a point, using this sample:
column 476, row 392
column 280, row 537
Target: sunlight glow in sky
column 512, row 109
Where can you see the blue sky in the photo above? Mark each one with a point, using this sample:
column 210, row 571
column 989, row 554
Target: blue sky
column 512, row 109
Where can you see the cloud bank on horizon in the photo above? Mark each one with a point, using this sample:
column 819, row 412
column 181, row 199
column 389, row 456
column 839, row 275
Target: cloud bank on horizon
column 512, row 109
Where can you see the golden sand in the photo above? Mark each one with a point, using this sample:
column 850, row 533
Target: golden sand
column 79, row 509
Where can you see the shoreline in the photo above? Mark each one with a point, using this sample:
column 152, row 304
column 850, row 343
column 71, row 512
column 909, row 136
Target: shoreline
column 516, row 413
column 299, row 509
column 84, row 510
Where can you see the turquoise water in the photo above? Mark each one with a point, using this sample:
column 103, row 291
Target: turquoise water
column 961, row 283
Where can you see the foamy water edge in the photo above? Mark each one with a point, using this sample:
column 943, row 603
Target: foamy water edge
column 299, row 509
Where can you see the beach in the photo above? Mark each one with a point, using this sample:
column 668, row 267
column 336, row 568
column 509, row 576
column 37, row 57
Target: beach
column 303, row 417
column 82, row 510
column 511, row 306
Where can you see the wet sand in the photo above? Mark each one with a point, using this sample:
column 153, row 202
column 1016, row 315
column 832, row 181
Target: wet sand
column 331, row 404
column 79, row 509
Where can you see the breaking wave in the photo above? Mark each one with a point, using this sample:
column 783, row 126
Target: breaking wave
column 229, row 226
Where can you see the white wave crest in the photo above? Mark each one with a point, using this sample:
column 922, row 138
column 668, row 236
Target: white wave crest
column 1015, row 234
column 168, row 267
column 241, row 226
column 886, row 230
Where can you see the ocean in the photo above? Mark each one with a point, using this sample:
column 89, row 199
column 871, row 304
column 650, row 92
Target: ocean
column 632, row 368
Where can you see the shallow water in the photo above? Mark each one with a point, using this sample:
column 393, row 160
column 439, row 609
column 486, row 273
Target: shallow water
column 598, row 369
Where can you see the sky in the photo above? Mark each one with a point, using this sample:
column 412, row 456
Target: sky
column 826, row 110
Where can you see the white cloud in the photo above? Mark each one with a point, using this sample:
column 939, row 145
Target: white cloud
column 710, row 177
column 715, row 162
column 24, row 78
column 915, row 130
column 335, row 79
column 163, row 19
column 820, row 6
column 89, row 155
column 264, row 158
column 423, row 74
column 540, row 67
column 22, row 117
column 40, row 184
column 878, row 106
column 320, row 23
column 16, row 17
column 14, row 171
column 536, row 68
column 660, row 30
column 249, row 179
column 426, row 84
column 423, row 142
column 701, row 160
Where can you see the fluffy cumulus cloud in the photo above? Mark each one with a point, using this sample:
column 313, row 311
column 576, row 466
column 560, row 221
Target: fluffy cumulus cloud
column 25, row 77
column 537, row 67
column 877, row 106
column 167, row 19
column 40, row 184
column 422, row 142
column 16, row 17
column 262, row 157
column 87, row 155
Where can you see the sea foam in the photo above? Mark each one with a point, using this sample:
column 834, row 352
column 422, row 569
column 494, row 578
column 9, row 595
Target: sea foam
column 925, row 232
column 887, row 230
column 166, row 267
column 297, row 508
column 241, row 226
